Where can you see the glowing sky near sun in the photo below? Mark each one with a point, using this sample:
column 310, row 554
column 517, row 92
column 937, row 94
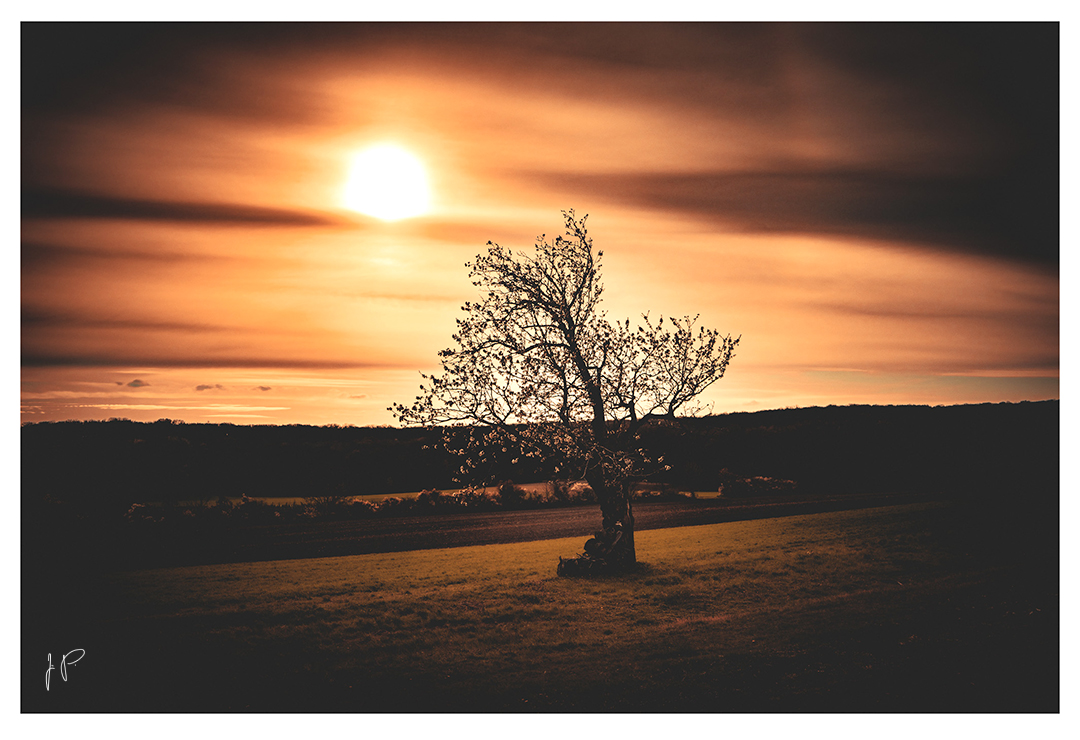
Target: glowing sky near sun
column 203, row 238
column 387, row 182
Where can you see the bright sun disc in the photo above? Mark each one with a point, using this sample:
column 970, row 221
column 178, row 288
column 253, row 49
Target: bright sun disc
column 387, row 182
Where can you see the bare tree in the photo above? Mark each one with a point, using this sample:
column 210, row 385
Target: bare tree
column 539, row 372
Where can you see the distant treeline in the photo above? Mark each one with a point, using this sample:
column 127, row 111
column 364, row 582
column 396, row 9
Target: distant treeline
column 989, row 448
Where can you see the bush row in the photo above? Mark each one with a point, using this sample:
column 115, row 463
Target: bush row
column 506, row 496
column 258, row 511
column 735, row 486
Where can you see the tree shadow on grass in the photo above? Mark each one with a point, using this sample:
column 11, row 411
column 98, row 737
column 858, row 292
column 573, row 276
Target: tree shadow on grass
column 630, row 574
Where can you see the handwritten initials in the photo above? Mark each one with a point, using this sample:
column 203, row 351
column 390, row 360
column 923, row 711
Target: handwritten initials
column 65, row 661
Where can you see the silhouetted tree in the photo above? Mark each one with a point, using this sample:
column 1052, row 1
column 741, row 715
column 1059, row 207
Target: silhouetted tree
column 539, row 372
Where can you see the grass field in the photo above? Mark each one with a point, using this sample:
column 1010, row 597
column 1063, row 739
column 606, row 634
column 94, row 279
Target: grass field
column 908, row 608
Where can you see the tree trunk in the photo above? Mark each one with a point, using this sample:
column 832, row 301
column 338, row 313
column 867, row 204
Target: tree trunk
column 612, row 547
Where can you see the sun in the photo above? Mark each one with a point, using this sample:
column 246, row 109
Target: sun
column 387, row 182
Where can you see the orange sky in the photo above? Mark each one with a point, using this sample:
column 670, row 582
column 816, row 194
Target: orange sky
column 874, row 210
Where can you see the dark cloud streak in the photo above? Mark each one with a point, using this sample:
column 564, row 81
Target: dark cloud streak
column 97, row 67
column 985, row 215
column 32, row 319
column 908, row 313
column 118, row 359
column 37, row 256
column 57, row 203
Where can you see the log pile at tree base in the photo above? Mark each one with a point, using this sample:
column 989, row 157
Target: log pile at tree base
column 608, row 551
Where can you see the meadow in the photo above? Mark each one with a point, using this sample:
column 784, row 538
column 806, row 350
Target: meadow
column 920, row 607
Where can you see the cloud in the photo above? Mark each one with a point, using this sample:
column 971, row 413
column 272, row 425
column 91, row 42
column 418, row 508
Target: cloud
column 137, row 384
column 966, row 213
column 243, row 416
column 33, row 319
column 74, row 66
column 262, row 388
column 120, row 359
column 39, row 256
column 42, row 202
column 40, row 260
column 159, row 407
column 209, row 387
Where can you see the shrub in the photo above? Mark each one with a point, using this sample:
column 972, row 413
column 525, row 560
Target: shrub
column 582, row 493
column 328, row 505
column 252, row 509
column 429, row 500
column 477, row 499
column 560, row 492
column 512, row 496
column 392, row 505
column 735, row 486
column 359, row 507
column 141, row 514
column 657, row 492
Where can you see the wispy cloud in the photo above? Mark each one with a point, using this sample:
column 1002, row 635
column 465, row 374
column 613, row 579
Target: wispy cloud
column 240, row 416
column 134, row 359
column 969, row 213
column 32, row 319
column 57, row 203
column 222, row 409
column 38, row 256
